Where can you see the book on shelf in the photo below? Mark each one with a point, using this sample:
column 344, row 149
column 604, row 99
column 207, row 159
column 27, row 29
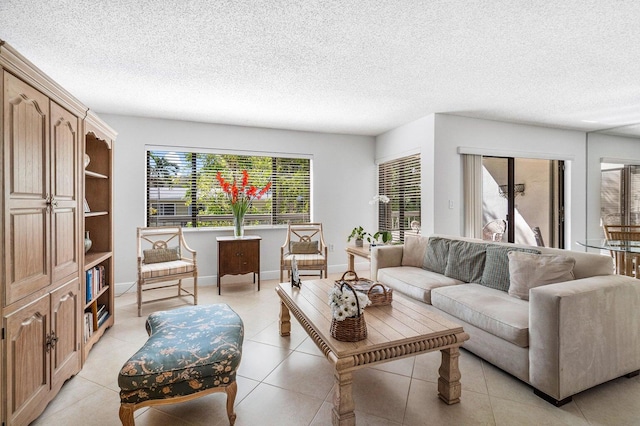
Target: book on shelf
column 103, row 318
column 88, row 326
column 88, row 281
column 101, row 310
column 95, row 281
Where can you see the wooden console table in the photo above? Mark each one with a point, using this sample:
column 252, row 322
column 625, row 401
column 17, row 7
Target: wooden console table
column 239, row 256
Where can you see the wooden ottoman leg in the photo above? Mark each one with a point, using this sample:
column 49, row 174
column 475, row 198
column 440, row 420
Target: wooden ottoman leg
column 231, row 391
column 126, row 414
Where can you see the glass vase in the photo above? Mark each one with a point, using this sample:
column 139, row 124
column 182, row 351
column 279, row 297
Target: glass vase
column 238, row 225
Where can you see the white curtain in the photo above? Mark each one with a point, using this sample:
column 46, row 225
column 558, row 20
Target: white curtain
column 472, row 181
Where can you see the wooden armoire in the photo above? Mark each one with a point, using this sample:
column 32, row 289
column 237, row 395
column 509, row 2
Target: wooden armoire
column 44, row 134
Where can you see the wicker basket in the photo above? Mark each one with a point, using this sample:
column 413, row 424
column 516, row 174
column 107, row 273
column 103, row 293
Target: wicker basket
column 383, row 298
column 351, row 278
column 352, row 329
column 364, row 285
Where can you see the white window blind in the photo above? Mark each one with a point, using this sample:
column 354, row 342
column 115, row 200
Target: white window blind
column 182, row 189
column 399, row 180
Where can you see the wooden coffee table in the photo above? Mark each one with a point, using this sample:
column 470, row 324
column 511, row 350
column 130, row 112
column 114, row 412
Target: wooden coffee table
column 402, row 329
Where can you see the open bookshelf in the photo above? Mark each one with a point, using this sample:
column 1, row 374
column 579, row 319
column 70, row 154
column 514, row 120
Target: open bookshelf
column 98, row 289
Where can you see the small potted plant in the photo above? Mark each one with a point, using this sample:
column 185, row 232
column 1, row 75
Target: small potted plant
column 385, row 236
column 358, row 234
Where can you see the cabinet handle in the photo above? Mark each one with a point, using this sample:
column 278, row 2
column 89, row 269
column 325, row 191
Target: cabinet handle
column 51, row 341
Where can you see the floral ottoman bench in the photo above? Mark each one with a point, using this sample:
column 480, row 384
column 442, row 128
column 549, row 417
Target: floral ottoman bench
column 191, row 352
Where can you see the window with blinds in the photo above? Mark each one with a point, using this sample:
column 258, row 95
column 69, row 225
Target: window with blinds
column 182, row 189
column 620, row 194
column 399, row 180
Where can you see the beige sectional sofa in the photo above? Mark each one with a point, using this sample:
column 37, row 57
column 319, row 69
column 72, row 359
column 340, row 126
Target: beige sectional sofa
column 579, row 327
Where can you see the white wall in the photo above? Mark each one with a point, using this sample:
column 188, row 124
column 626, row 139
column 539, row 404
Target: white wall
column 343, row 182
column 439, row 136
column 411, row 138
column 604, row 146
column 505, row 139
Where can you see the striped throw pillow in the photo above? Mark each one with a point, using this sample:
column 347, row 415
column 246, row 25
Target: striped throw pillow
column 466, row 261
column 436, row 255
column 496, row 266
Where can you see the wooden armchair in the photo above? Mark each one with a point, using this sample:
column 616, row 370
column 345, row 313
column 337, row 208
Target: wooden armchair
column 305, row 241
column 164, row 256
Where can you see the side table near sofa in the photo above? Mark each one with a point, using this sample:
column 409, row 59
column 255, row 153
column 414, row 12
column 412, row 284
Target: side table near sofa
column 353, row 251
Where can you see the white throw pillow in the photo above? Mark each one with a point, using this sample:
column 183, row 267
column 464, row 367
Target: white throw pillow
column 414, row 248
column 528, row 270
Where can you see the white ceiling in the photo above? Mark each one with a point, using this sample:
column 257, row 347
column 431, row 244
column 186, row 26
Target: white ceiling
column 359, row 67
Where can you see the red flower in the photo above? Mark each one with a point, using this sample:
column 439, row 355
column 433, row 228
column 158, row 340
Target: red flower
column 241, row 197
column 245, row 178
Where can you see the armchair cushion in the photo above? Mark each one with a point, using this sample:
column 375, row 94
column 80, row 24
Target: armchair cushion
column 160, row 255
column 303, row 247
column 303, row 260
column 163, row 269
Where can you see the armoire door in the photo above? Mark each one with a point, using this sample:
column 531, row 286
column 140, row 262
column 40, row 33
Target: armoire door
column 64, row 192
column 65, row 350
column 27, row 361
column 26, row 182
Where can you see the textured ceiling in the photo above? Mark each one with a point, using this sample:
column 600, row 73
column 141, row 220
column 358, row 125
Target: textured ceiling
column 360, row 67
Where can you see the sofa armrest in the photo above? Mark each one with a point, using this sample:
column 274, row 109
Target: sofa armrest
column 385, row 257
column 583, row 333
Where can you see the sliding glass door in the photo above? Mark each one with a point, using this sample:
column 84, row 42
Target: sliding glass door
column 522, row 201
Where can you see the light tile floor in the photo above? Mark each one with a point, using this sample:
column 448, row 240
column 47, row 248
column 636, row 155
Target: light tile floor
column 287, row 381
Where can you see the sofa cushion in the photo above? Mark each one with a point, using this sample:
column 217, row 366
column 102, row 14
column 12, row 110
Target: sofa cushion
column 466, row 261
column 414, row 282
column 414, row 248
column 496, row 266
column 533, row 270
column 492, row 310
column 436, row 255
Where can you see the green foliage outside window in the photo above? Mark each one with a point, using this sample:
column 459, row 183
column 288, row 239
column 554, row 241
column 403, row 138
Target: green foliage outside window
column 191, row 177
